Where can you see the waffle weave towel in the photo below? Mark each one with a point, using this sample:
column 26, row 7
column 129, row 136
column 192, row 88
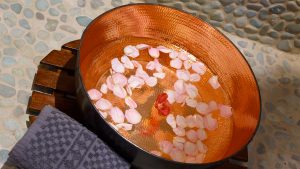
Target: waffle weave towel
column 56, row 141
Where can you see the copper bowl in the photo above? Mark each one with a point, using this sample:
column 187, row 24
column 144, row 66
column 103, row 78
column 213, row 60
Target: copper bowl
column 105, row 38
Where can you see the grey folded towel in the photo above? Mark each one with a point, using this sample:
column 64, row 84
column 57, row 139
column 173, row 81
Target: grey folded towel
column 56, row 141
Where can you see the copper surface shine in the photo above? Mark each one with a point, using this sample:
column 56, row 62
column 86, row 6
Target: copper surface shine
column 105, row 38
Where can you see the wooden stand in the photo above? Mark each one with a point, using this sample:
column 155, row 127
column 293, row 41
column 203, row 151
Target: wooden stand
column 54, row 85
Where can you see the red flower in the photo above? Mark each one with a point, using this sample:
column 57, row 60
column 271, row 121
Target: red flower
column 162, row 104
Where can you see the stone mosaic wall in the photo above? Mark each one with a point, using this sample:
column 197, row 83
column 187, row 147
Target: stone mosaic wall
column 272, row 22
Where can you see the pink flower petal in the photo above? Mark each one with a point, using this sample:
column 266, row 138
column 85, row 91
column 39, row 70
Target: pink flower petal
column 119, row 79
column 202, row 108
column 210, row 123
column 180, row 98
column 124, row 126
column 190, row 148
column 176, row 63
column 155, row 152
column 171, row 96
column 191, row 90
column 153, row 52
column 141, row 73
column 183, row 56
column 117, row 115
column 173, row 54
column 177, row 155
column 94, row 94
column 130, row 102
column 201, row 134
column 199, row 67
column 150, row 65
column 171, row 120
column 180, row 121
column 117, row 66
column 202, row 148
column 198, row 121
column 158, row 66
column 159, row 75
column 179, row 86
column 104, row 88
column 164, row 49
column 195, row 77
column 136, row 64
column 135, row 82
column 213, row 81
column 179, row 139
column 177, row 144
column 225, row 111
column 133, row 116
column 119, row 91
column 103, row 104
column 192, row 135
column 200, row 158
column 165, row 146
column 212, row 106
column 179, row 131
column 142, row 46
column 191, row 102
column 151, row 81
column 127, row 63
column 183, row 74
column 110, row 83
column 103, row 114
column 187, row 64
column 190, row 121
column 131, row 51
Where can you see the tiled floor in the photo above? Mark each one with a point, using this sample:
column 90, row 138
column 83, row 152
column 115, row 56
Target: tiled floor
column 30, row 29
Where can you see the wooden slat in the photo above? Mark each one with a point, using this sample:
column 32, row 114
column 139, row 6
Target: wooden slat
column 59, row 81
column 242, row 155
column 73, row 45
column 60, row 59
column 230, row 166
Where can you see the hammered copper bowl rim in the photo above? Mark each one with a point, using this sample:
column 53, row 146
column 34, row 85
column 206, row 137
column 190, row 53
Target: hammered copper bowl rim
column 179, row 12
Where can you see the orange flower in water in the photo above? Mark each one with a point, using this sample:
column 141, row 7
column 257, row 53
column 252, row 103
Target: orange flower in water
column 162, row 104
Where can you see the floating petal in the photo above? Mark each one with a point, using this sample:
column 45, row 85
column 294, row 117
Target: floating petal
column 151, row 81
column 195, row 77
column 190, row 159
column 104, row 88
column 173, row 54
column 176, row 63
column 180, row 98
column 191, row 90
column 171, row 120
column 129, row 90
column 177, row 155
column 187, row 64
column 119, row 79
column 158, row 66
column 180, row 121
column 141, row 73
column 117, row 66
column 202, row 148
column 190, row 121
column 164, row 49
column 202, row 108
column 225, row 111
column 119, row 91
column 200, row 158
column 183, row 56
column 127, row 62
column 110, row 83
column 133, row 116
column 183, row 74
column 130, row 102
column 131, row 51
column 124, row 126
column 155, row 152
column 201, row 134
column 191, row 102
column 179, row 86
column 150, row 65
column 94, row 94
column 165, row 146
column 153, row 52
column 171, row 96
column 198, row 121
column 198, row 67
column 178, row 145
column 210, row 123
column 159, row 75
column 190, row 148
column 213, row 81
column 179, row 131
column 135, row 82
column 142, row 46
column 103, row 114
column 117, row 115
column 179, row 139
column 192, row 135
column 103, row 104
